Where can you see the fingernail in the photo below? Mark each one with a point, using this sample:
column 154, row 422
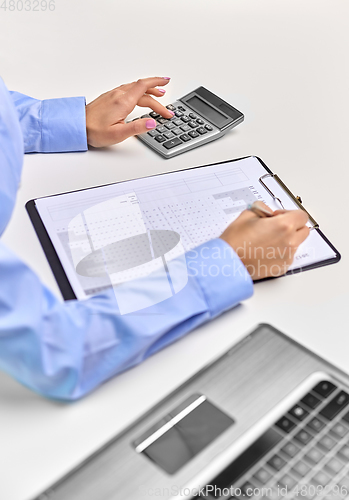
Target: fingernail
column 172, row 113
column 166, row 78
column 150, row 124
column 162, row 91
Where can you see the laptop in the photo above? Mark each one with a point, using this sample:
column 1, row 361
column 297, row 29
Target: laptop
column 267, row 420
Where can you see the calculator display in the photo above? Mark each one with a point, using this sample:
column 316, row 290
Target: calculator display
column 201, row 107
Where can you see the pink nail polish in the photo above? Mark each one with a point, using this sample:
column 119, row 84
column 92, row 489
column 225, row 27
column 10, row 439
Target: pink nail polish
column 166, row 78
column 150, row 124
column 172, row 113
column 162, row 91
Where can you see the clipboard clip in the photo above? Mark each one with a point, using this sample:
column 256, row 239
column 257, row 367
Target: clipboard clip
column 296, row 199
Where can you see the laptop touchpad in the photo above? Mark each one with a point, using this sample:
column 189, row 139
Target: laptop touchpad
column 183, row 433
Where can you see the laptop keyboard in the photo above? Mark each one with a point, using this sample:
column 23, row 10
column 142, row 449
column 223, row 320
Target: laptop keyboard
column 304, row 455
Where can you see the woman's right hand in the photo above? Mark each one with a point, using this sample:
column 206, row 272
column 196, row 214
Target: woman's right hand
column 267, row 245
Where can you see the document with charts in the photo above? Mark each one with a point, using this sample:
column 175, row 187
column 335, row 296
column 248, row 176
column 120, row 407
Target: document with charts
column 197, row 204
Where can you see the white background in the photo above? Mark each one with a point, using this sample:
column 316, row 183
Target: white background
column 285, row 65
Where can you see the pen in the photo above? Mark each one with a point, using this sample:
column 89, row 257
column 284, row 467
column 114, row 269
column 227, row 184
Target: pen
column 260, row 211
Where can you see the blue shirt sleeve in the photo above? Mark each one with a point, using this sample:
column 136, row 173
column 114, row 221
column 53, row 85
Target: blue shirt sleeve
column 65, row 350
column 51, row 125
column 11, row 157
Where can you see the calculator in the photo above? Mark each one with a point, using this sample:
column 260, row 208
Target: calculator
column 199, row 117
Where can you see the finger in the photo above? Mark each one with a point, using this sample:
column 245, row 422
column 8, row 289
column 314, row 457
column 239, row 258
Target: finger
column 125, row 86
column 259, row 204
column 295, row 218
column 299, row 217
column 280, row 212
column 148, row 102
column 300, row 236
column 153, row 91
column 156, row 92
column 246, row 215
column 142, row 85
column 252, row 212
column 122, row 131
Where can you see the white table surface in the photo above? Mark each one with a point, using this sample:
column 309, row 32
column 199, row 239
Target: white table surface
column 285, row 65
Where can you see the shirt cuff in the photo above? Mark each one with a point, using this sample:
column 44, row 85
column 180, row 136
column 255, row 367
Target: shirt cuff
column 63, row 125
column 221, row 275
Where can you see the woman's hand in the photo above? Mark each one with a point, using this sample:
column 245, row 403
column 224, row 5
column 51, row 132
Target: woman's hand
column 266, row 245
column 106, row 115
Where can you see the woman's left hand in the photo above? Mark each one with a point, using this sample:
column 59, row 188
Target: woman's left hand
column 106, row 115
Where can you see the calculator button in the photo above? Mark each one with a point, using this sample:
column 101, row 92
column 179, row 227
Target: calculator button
column 145, row 116
column 153, row 133
column 192, row 124
column 170, row 125
column 169, row 135
column 160, row 138
column 192, row 116
column 173, row 143
column 162, row 120
column 193, row 134
column 185, row 137
column 181, row 108
column 208, row 127
column 178, row 113
column 199, row 121
column 178, row 122
column 185, row 119
column 177, row 131
column 154, row 115
column 170, row 107
column 201, row 130
column 185, row 128
column 161, row 129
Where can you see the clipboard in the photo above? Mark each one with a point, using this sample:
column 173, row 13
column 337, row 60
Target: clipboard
column 60, row 273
